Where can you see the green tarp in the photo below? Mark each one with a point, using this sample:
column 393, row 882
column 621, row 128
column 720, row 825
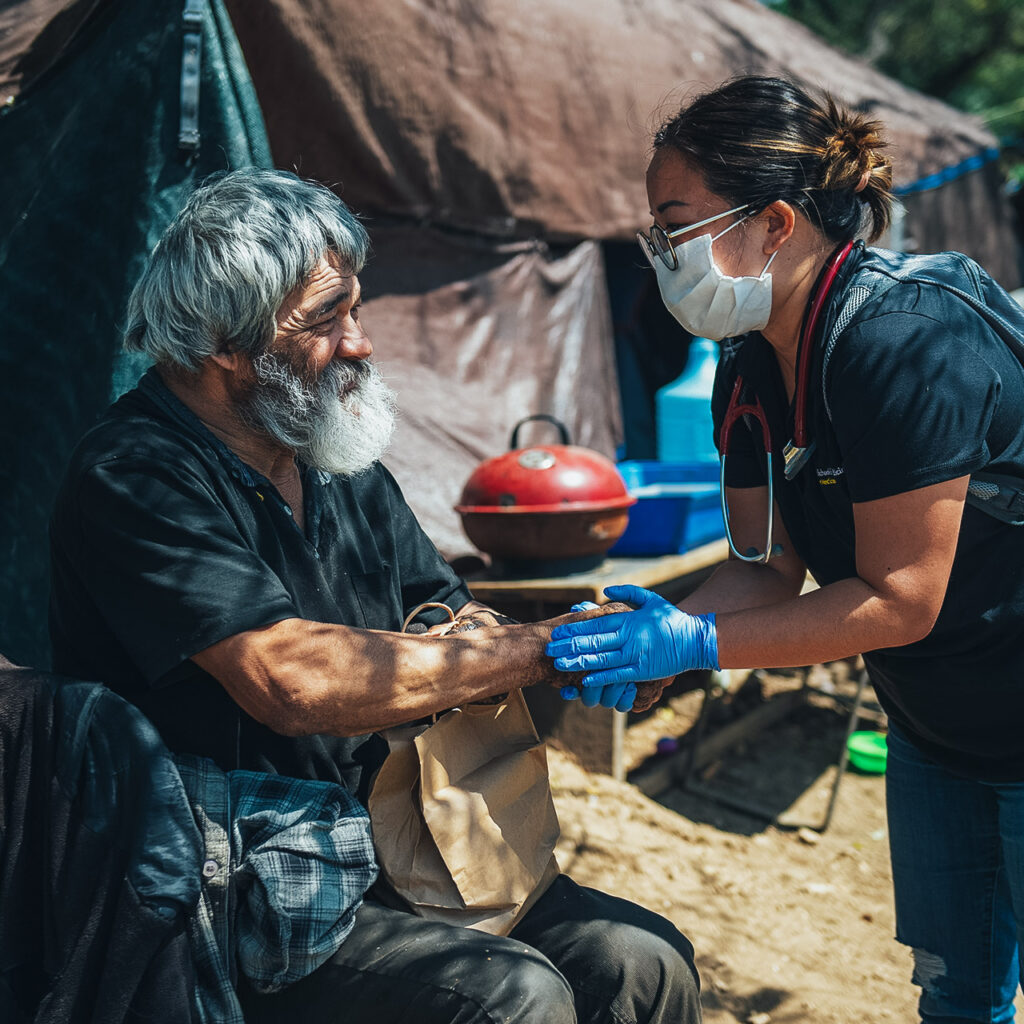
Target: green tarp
column 91, row 175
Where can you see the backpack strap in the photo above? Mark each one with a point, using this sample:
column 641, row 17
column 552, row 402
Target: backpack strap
column 996, row 494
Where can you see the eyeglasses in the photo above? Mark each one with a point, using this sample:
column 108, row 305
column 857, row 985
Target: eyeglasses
column 659, row 242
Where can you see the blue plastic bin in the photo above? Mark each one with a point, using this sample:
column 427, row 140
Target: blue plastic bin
column 677, row 509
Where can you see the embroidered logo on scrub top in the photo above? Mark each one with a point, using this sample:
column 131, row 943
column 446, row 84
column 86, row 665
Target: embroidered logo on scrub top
column 827, row 476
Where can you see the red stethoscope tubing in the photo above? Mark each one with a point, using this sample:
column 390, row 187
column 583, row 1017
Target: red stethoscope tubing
column 735, row 410
column 836, row 260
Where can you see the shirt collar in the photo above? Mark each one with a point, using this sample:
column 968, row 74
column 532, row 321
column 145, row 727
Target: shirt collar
column 153, row 387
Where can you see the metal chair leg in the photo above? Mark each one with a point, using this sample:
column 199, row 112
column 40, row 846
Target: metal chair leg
column 690, row 766
column 688, row 783
column 844, row 754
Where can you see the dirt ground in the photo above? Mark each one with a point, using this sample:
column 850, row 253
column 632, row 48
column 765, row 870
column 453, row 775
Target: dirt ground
column 789, row 925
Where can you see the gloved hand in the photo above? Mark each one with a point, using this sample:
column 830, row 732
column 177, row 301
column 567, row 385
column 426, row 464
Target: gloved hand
column 655, row 641
column 617, row 695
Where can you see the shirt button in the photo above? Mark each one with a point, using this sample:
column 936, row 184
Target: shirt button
column 288, row 509
column 210, row 868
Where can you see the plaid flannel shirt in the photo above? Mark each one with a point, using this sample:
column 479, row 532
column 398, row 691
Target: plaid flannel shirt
column 286, row 865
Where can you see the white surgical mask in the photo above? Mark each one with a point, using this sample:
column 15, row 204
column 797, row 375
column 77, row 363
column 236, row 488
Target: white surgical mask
column 708, row 303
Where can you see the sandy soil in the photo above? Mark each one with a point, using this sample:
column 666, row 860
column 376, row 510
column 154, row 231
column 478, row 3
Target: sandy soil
column 788, row 925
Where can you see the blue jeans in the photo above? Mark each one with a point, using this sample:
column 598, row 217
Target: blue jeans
column 957, row 848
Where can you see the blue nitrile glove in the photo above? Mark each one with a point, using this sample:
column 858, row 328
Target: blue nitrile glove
column 654, row 642
column 618, row 695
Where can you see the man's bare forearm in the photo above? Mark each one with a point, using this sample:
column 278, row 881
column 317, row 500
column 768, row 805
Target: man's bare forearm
column 300, row 677
column 431, row 674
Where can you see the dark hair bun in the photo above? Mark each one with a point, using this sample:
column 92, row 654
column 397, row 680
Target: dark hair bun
column 757, row 140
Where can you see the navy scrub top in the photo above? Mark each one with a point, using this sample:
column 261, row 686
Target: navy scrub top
column 920, row 390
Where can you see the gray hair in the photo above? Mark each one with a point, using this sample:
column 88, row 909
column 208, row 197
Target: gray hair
column 223, row 268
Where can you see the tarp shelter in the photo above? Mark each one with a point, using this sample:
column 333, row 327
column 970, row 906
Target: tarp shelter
column 92, row 173
column 531, row 118
column 459, row 127
column 496, row 148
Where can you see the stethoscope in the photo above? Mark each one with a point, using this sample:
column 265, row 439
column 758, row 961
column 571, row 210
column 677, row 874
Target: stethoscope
column 798, row 450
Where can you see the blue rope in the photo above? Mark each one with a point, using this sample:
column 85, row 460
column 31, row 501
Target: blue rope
column 947, row 174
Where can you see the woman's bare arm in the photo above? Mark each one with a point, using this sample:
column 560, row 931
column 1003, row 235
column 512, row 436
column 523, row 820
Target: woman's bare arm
column 738, row 585
column 905, row 549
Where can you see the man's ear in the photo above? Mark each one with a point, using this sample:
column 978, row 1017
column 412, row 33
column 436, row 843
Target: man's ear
column 228, row 358
column 781, row 219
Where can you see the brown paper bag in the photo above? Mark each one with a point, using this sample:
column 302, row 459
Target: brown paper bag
column 463, row 820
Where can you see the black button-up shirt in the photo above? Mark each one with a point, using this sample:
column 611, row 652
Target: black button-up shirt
column 163, row 542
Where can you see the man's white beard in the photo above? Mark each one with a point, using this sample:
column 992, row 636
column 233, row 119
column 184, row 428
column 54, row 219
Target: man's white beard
column 341, row 423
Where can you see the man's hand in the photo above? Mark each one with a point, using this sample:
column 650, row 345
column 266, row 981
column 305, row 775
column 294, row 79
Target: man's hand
column 654, row 643
column 481, row 617
column 622, row 696
column 649, row 693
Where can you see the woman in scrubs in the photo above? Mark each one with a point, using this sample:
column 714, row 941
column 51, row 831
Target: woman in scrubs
column 869, row 410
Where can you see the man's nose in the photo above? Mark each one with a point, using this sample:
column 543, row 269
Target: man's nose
column 355, row 345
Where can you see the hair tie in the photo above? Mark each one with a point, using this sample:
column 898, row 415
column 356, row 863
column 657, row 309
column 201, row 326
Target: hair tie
column 863, row 183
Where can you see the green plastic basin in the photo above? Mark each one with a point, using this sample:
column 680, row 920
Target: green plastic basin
column 867, row 751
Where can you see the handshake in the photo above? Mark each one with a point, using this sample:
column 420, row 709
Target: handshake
column 620, row 655
column 624, row 658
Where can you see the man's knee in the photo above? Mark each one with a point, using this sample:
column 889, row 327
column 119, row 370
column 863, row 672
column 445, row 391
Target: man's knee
column 671, row 981
column 477, row 978
column 653, row 973
column 465, row 978
column 522, row 985
column 502, row 983
column 615, row 954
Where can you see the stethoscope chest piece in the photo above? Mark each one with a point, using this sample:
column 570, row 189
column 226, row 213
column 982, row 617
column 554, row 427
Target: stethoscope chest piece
column 795, row 458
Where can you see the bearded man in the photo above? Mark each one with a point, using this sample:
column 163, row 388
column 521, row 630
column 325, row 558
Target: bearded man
column 229, row 554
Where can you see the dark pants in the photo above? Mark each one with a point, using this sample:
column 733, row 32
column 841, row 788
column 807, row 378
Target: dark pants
column 957, row 850
column 578, row 955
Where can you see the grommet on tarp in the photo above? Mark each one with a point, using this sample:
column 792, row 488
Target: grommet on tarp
column 191, row 62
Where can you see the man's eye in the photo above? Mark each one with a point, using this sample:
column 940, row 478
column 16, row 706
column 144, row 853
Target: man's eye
column 354, row 311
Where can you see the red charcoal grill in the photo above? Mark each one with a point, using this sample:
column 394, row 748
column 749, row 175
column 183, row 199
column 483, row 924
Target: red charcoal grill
column 546, row 510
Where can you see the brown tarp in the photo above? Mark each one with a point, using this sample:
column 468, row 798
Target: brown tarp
column 970, row 214
column 533, row 117
column 523, row 117
column 470, row 357
column 513, row 120
column 33, row 35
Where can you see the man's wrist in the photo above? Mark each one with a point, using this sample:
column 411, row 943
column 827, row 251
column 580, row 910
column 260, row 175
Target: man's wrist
column 487, row 617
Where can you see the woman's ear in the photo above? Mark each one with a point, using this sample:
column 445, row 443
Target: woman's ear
column 781, row 219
